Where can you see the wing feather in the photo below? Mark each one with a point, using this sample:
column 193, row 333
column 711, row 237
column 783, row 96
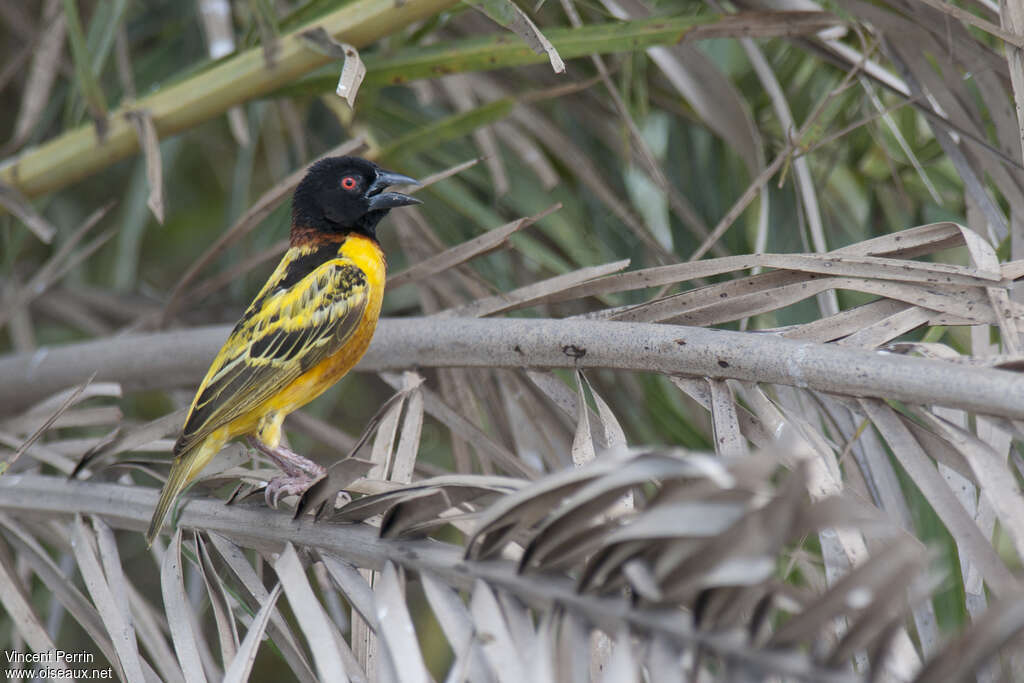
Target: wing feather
column 286, row 331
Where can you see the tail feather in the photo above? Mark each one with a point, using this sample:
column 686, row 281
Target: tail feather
column 185, row 468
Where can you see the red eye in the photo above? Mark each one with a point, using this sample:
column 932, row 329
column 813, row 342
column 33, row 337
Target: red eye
column 348, row 182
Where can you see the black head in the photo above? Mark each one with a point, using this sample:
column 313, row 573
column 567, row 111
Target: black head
column 342, row 194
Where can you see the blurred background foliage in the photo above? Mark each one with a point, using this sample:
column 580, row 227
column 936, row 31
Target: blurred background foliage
column 866, row 184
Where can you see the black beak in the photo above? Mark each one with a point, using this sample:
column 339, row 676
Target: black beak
column 390, row 200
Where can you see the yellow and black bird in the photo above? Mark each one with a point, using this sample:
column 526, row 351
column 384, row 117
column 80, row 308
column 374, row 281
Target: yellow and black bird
column 308, row 326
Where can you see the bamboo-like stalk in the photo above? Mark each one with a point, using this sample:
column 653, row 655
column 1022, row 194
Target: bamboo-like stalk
column 179, row 359
column 79, row 152
column 504, row 50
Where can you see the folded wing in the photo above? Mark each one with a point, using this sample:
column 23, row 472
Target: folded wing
column 285, row 332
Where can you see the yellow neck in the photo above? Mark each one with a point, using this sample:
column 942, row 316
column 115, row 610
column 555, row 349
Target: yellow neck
column 369, row 257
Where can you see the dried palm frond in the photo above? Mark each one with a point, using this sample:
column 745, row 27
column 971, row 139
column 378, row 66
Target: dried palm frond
column 836, row 391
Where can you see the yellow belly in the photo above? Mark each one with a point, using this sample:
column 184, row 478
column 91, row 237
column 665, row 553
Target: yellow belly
column 320, row 378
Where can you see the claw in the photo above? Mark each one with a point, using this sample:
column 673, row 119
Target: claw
column 286, row 485
column 299, row 473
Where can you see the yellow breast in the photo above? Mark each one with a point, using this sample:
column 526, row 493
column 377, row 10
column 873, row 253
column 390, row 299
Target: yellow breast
column 368, row 257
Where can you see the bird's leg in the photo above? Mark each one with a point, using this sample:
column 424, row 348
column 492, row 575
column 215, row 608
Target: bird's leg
column 288, row 460
column 299, row 472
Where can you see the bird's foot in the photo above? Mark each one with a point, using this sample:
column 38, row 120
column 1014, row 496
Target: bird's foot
column 287, row 485
column 299, row 472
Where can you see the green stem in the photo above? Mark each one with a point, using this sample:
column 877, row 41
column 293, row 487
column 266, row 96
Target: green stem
column 506, row 50
column 78, row 153
column 503, row 50
column 91, row 90
column 448, row 128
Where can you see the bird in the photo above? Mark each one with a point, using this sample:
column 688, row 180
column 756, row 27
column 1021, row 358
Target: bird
column 307, row 327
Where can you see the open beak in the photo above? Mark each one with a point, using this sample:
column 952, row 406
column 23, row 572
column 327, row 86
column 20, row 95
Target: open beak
column 390, row 200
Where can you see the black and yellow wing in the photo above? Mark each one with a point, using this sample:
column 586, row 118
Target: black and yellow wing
column 308, row 309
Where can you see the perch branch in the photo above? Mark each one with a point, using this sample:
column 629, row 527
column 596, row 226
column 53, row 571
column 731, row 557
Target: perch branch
column 178, row 359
